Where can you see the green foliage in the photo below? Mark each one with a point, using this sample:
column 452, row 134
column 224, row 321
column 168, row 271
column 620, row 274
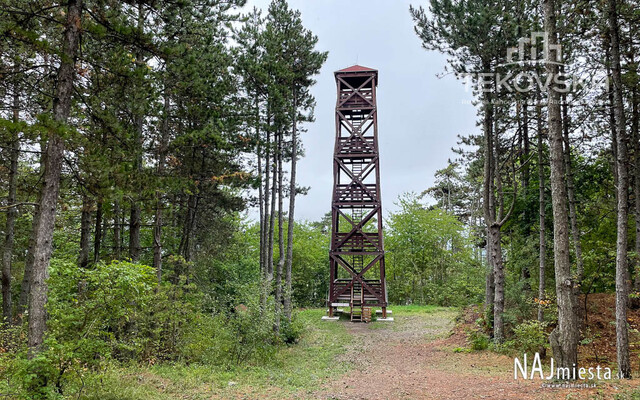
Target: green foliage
column 478, row 341
column 430, row 258
column 528, row 337
column 290, row 332
column 117, row 312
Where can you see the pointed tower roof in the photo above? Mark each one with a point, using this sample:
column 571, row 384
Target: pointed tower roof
column 357, row 68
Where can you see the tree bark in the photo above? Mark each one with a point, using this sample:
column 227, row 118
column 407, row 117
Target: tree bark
column 51, row 185
column 117, row 235
column 573, row 217
column 97, row 239
column 622, row 334
column 134, row 232
column 261, row 202
column 566, row 333
column 25, row 287
column 498, row 268
column 542, row 216
column 157, row 223
column 136, row 214
column 524, row 163
column 85, row 231
column 292, row 208
column 12, row 212
column 271, row 220
column 488, row 203
column 281, row 249
column 635, row 135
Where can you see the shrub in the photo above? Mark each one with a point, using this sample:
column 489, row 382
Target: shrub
column 290, row 332
column 478, row 341
column 528, row 337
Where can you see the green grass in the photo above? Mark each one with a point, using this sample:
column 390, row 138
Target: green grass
column 416, row 309
column 300, row 368
column 294, row 371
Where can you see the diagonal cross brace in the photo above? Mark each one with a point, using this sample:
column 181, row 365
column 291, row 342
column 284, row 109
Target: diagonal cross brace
column 357, row 276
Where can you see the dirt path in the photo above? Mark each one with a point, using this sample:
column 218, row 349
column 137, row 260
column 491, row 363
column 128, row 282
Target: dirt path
column 414, row 358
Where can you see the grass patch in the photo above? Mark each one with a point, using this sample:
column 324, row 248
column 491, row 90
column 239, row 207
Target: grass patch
column 300, row 368
column 297, row 370
column 418, row 309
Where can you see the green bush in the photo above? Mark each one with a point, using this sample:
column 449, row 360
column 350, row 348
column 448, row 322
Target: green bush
column 478, row 341
column 118, row 313
column 528, row 337
column 290, row 332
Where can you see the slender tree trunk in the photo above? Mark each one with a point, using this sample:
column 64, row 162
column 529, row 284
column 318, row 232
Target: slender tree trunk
column 292, row 208
column 136, row 214
column 267, row 209
column 134, row 232
column 25, row 287
column 635, row 135
column 573, row 217
column 498, row 268
column 97, row 240
column 622, row 334
column 489, row 205
column 187, row 229
column 261, row 202
column 12, row 213
column 564, row 338
column 117, row 229
column 51, row 184
column 157, row 223
column 281, row 249
column 524, row 162
column 542, row 216
column 272, row 213
column 85, row 231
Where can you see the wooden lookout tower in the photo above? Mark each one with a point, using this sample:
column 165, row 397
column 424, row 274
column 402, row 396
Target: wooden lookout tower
column 357, row 276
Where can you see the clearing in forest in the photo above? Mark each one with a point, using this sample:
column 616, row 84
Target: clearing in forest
column 416, row 357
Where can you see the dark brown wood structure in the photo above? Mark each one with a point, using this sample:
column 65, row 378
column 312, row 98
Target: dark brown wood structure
column 357, row 276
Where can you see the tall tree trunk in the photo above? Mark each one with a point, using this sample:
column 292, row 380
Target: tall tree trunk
column 622, row 334
column 157, row 223
column 136, row 214
column 272, row 213
column 134, row 232
column 25, row 287
column 117, row 229
column 261, row 202
column 488, row 202
column 498, row 268
column 496, row 236
column 12, row 212
column 51, row 185
column 635, row 135
column 542, row 216
column 97, row 239
column 281, row 248
column 564, row 338
column 573, row 217
column 85, row 231
column 292, row 208
column 524, row 162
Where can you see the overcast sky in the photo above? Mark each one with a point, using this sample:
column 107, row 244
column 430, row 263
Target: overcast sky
column 419, row 114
